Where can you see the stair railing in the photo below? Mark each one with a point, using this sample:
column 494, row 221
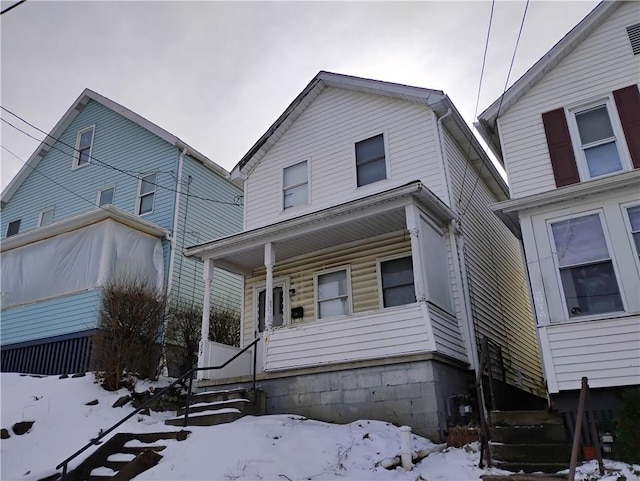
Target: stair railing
column 189, row 374
column 585, row 399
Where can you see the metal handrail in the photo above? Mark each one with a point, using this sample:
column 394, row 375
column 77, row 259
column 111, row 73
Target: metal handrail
column 64, row 464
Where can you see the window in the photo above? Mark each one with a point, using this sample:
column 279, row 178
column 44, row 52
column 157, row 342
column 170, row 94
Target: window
column 396, row 281
column 105, row 196
column 370, row 161
column 278, row 307
column 597, row 141
column 332, row 294
column 634, row 222
column 586, row 270
column 84, row 144
column 13, row 228
column 295, row 185
column 46, row 217
column 146, row 193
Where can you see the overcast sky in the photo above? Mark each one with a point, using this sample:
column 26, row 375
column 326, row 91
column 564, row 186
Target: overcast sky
column 218, row 74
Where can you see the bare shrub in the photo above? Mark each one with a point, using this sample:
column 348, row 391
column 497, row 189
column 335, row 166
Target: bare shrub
column 184, row 324
column 130, row 323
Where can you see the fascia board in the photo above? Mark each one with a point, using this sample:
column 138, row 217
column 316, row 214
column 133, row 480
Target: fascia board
column 558, row 52
column 83, row 220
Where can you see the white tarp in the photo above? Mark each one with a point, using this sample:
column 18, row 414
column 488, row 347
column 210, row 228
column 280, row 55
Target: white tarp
column 79, row 260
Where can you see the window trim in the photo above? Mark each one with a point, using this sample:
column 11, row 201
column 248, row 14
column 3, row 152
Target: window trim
column 103, row 189
column 619, row 139
column 627, row 223
column 41, row 216
column 308, row 183
column 139, row 194
column 385, row 141
column 556, row 264
column 285, row 283
column 316, row 301
column 379, row 263
column 19, row 221
column 76, row 151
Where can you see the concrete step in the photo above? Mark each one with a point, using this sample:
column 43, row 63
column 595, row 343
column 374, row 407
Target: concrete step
column 207, row 418
column 216, row 396
column 525, row 418
column 243, row 405
column 531, row 453
column 537, row 434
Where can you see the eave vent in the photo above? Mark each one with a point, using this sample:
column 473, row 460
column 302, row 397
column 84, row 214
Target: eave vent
column 634, row 37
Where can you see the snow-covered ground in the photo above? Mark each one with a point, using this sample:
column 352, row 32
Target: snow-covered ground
column 282, row 447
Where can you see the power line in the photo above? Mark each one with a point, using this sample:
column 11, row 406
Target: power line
column 236, row 202
column 12, row 7
column 475, row 113
column 506, row 83
column 50, row 179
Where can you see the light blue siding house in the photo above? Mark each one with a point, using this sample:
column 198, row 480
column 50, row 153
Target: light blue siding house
column 107, row 192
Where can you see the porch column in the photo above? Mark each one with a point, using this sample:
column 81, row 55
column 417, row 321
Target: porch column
column 207, row 275
column 413, row 225
column 269, row 261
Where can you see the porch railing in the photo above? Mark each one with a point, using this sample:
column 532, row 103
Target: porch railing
column 189, row 374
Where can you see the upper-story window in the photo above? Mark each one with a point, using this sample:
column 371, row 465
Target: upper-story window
column 333, row 293
column 597, row 141
column 105, row 196
column 46, row 217
column 295, row 185
column 371, row 165
column 13, row 227
column 586, row 269
column 84, row 145
column 146, row 194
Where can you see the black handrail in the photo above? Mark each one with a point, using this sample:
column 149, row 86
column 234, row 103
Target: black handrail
column 64, row 464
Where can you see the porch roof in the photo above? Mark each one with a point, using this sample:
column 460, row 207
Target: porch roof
column 352, row 221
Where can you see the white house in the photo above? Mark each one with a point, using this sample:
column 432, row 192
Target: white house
column 372, row 264
column 568, row 132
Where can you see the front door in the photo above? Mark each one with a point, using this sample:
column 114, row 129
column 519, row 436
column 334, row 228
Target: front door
column 278, row 307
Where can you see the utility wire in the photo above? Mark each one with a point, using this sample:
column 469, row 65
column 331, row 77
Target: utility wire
column 506, row 83
column 12, row 7
column 98, row 161
column 475, row 113
column 51, row 180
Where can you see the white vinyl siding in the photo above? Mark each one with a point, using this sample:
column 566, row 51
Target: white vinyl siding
column 605, row 351
column 497, row 280
column 606, row 60
column 326, row 132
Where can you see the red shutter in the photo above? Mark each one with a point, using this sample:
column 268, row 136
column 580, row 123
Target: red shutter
column 563, row 161
column 628, row 104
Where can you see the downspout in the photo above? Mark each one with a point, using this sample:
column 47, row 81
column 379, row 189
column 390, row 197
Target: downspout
column 456, row 242
column 176, row 218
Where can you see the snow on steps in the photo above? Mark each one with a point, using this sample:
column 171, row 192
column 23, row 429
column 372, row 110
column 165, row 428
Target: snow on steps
column 124, row 456
column 219, row 407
